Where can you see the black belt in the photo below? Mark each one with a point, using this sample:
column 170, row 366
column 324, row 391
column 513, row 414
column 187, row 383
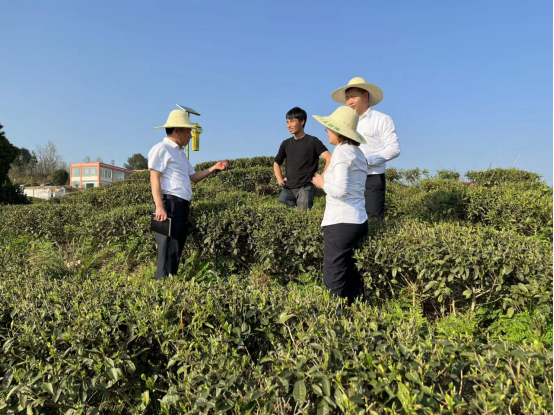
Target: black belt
column 177, row 198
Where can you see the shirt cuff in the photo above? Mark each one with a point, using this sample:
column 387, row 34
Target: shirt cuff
column 372, row 160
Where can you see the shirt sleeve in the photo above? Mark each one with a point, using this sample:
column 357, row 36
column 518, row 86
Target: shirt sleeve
column 281, row 155
column 339, row 187
column 157, row 159
column 319, row 147
column 391, row 146
column 191, row 169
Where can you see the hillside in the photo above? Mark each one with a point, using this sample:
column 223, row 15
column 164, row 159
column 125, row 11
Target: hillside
column 459, row 317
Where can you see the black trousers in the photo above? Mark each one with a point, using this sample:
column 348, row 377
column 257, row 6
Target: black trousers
column 340, row 274
column 375, row 185
column 171, row 248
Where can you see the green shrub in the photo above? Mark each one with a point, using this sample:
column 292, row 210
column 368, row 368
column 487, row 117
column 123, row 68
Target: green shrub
column 12, row 194
column 121, row 193
column 132, row 345
column 45, row 220
column 512, row 206
column 458, row 267
column 141, row 176
column 393, row 175
column 516, row 206
column 260, row 180
column 494, row 177
column 446, row 174
column 80, row 335
column 242, row 163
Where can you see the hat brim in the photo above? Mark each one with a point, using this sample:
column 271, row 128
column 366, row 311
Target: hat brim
column 342, row 129
column 375, row 93
column 175, row 126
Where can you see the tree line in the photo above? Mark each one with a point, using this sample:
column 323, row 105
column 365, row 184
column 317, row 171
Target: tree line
column 19, row 165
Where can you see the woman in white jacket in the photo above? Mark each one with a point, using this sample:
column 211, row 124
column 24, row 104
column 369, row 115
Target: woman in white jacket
column 345, row 219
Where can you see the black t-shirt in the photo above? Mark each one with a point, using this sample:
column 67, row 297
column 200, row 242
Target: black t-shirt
column 302, row 159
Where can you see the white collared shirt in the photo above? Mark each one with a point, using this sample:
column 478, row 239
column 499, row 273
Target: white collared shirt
column 382, row 141
column 345, row 185
column 171, row 160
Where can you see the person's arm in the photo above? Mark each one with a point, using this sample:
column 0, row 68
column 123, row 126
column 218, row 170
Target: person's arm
column 157, row 162
column 278, row 175
column 279, row 159
column 323, row 153
column 339, row 187
column 327, row 157
column 155, row 177
column 201, row 175
column 391, row 146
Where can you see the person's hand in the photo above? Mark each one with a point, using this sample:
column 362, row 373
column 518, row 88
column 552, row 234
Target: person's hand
column 220, row 165
column 161, row 214
column 318, row 181
column 283, row 182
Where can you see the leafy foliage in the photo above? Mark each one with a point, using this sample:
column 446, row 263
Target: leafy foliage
column 9, row 193
column 494, row 177
column 115, row 344
column 60, row 177
column 136, row 162
column 459, row 317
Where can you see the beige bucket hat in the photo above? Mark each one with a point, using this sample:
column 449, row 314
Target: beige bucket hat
column 343, row 121
column 375, row 93
column 176, row 119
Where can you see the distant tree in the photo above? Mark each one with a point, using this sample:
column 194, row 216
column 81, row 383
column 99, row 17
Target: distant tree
column 49, row 160
column 136, row 162
column 23, row 158
column 112, row 162
column 98, row 160
column 8, row 153
column 86, row 159
column 9, row 193
column 60, row 177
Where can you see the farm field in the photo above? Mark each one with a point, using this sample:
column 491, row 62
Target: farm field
column 458, row 321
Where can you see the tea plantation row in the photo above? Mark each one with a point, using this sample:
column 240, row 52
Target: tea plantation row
column 459, row 317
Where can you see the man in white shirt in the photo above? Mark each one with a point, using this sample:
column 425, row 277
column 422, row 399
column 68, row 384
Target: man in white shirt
column 170, row 177
column 382, row 141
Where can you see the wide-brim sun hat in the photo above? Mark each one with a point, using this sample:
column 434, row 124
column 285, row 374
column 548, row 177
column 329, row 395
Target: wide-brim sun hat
column 343, row 121
column 375, row 93
column 177, row 119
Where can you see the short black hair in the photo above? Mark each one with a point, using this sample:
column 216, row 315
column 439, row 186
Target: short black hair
column 170, row 131
column 299, row 114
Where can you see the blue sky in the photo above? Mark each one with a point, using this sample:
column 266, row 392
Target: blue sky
column 468, row 84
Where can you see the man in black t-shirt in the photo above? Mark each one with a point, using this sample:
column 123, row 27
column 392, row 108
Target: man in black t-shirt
column 302, row 152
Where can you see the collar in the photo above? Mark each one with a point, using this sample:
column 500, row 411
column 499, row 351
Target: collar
column 172, row 143
column 366, row 114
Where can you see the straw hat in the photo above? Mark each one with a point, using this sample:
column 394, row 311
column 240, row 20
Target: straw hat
column 375, row 93
column 343, row 121
column 176, row 119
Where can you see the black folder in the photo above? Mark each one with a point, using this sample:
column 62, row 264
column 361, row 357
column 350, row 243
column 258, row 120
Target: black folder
column 161, row 227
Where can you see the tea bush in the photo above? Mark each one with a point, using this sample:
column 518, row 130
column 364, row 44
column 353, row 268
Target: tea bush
column 242, row 163
column 260, row 180
column 494, row 177
column 124, row 193
column 512, row 206
column 458, row 318
column 114, row 344
column 459, row 266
